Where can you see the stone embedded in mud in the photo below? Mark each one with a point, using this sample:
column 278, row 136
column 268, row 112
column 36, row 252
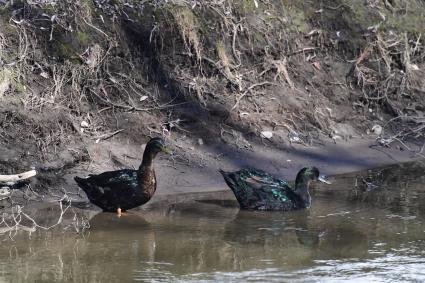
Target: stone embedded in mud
column 295, row 139
column 44, row 75
column 84, row 124
column 267, row 134
column 4, row 191
column 377, row 129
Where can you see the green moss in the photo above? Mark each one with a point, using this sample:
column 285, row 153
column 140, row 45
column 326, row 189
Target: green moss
column 92, row 7
column 5, row 10
column 184, row 13
column 82, row 37
column 245, row 6
column 4, row 75
column 188, row 26
column 299, row 22
column 64, row 50
column 259, row 39
column 208, row 22
column 7, row 29
column 360, row 15
column 8, row 81
column 410, row 20
column 19, row 87
column 49, row 9
column 67, row 46
column 413, row 21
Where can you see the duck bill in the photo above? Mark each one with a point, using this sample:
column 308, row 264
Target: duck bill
column 166, row 150
column 323, row 179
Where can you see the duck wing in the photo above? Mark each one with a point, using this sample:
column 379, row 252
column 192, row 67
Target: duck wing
column 260, row 177
column 256, row 189
column 271, row 197
column 120, row 178
column 109, row 183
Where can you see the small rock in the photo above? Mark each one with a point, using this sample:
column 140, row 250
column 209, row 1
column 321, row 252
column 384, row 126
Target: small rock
column 377, row 129
column 44, row 75
column 84, row 124
column 4, row 191
column 413, row 67
column 200, row 142
column 267, row 134
column 295, row 139
column 336, row 137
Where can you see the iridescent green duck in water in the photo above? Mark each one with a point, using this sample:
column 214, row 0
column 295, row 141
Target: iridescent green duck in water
column 258, row 190
column 124, row 189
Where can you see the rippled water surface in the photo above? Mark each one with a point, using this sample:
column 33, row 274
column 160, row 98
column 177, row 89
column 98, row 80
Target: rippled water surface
column 354, row 232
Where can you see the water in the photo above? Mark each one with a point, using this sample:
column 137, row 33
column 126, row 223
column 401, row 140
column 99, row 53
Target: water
column 351, row 234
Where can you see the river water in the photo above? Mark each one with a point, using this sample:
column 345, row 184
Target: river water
column 354, row 232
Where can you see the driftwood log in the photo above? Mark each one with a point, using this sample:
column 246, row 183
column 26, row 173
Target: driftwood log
column 10, row 180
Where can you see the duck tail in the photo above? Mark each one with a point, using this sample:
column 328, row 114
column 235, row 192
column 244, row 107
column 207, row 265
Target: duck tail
column 231, row 179
column 228, row 179
column 78, row 180
column 82, row 183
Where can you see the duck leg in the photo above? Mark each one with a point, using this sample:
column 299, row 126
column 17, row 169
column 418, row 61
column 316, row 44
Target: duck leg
column 121, row 212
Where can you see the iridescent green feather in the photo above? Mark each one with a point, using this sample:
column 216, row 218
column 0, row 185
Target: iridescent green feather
column 256, row 189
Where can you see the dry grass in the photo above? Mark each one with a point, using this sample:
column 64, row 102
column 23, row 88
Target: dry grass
column 188, row 28
column 390, row 73
column 2, row 45
column 243, row 59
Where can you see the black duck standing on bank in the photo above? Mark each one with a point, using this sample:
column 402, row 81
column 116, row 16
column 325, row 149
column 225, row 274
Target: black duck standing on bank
column 258, row 190
column 124, row 189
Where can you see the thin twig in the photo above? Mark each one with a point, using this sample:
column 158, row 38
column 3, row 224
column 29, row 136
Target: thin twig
column 107, row 135
column 248, row 90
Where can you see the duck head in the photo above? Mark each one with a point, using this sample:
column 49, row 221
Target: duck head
column 304, row 177
column 153, row 147
column 308, row 174
column 156, row 145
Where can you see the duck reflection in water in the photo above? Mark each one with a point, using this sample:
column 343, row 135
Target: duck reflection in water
column 130, row 233
column 271, row 229
column 297, row 233
column 204, row 233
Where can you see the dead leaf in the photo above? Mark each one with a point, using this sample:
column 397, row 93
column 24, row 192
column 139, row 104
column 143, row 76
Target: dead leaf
column 317, row 65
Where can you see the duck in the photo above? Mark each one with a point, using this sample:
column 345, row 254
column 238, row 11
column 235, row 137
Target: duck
column 120, row 190
column 255, row 189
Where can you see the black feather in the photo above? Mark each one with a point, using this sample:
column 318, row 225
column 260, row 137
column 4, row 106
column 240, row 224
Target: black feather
column 256, row 189
column 124, row 189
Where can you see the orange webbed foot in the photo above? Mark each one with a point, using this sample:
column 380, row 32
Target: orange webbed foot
column 120, row 212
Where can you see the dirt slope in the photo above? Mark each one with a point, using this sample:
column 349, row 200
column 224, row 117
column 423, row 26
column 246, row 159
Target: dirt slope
column 78, row 78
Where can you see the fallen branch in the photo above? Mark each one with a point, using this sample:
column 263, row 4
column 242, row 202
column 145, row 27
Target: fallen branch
column 107, row 135
column 12, row 179
column 249, row 90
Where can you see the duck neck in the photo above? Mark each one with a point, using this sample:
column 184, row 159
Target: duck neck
column 148, row 157
column 301, row 189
